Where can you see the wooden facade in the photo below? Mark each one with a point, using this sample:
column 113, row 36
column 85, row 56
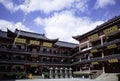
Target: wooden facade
column 99, row 49
column 30, row 53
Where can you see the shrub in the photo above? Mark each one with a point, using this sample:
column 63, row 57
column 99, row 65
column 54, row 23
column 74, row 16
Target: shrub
column 46, row 74
column 22, row 75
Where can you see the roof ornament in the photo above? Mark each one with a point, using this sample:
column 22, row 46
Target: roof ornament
column 23, row 20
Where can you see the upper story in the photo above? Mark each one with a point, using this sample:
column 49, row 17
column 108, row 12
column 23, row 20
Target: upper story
column 34, row 43
column 106, row 33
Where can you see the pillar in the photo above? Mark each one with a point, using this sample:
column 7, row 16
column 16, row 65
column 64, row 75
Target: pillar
column 88, row 44
column 70, row 72
column 80, row 59
column 56, row 72
column 81, row 68
column 88, row 56
column 61, row 72
column 102, row 54
column 89, row 68
column 101, row 40
column 103, row 68
column 79, row 47
column 51, row 72
column 66, row 73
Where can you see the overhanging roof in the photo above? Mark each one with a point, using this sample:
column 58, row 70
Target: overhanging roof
column 30, row 35
column 66, row 44
column 98, row 28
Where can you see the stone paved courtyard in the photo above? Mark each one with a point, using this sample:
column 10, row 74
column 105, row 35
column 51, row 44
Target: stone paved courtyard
column 73, row 79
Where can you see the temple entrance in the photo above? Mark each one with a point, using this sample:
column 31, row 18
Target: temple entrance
column 34, row 70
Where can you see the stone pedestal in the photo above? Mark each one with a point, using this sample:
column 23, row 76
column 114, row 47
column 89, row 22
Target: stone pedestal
column 56, row 72
column 70, row 72
column 61, row 72
column 51, row 73
column 66, row 73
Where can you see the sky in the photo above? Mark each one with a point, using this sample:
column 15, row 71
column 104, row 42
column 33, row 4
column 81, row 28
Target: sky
column 57, row 18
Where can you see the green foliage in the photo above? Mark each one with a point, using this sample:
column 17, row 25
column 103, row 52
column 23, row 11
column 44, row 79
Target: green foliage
column 12, row 76
column 22, row 75
column 46, row 74
column 81, row 75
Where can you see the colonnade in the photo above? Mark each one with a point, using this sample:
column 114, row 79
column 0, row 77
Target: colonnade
column 60, row 72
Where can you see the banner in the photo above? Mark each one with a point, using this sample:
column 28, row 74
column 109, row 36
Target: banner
column 20, row 40
column 47, row 44
column 112, row 46
column 94, row 63
column 110, row 30
column 94, row 50
column 93, row 37
column 113, row 60
column 34, row 42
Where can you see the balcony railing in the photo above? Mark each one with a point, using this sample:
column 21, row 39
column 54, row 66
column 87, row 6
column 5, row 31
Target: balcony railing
column 30, row 52
column 98, row 46
column 98, row 59
column 33, row 62
column 106, row 44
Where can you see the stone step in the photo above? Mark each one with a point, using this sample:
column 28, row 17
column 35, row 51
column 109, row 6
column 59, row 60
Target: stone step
column 37, row 77
column 108, row 77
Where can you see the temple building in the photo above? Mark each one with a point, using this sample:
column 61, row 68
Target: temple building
column 99, row 50
column 34, row 54
column 24, row 54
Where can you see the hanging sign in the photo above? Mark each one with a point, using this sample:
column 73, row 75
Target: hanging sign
column 113, row 60
column 112, row 46
column 94, row 63
column 94, row 50
column 93, row 37
column 20, row 40
column 47, row 44
column 34, row 42
column 110, row 30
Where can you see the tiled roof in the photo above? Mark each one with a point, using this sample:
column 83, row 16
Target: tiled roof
column 34, row 35
column 31, row 34
column 3, row 33
column 66, row 44
column 98, row 28
column 39, row 36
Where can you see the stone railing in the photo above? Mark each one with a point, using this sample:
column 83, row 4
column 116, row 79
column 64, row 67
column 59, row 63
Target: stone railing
column 60, row 73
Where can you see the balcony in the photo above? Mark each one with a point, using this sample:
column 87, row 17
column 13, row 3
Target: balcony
column 33, row 63
column 98, row 46
column 106, row 44
column 98, row 59
column 18, row 51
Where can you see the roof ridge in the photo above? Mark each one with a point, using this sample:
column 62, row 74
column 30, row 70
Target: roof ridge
column 31, row 32
column 67, row 42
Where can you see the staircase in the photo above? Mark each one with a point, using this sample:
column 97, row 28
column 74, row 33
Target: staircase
column 107, row 77
column 96, row 73
column 37, row 77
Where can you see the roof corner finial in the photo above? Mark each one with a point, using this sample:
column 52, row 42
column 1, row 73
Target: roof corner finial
column 43, row 34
